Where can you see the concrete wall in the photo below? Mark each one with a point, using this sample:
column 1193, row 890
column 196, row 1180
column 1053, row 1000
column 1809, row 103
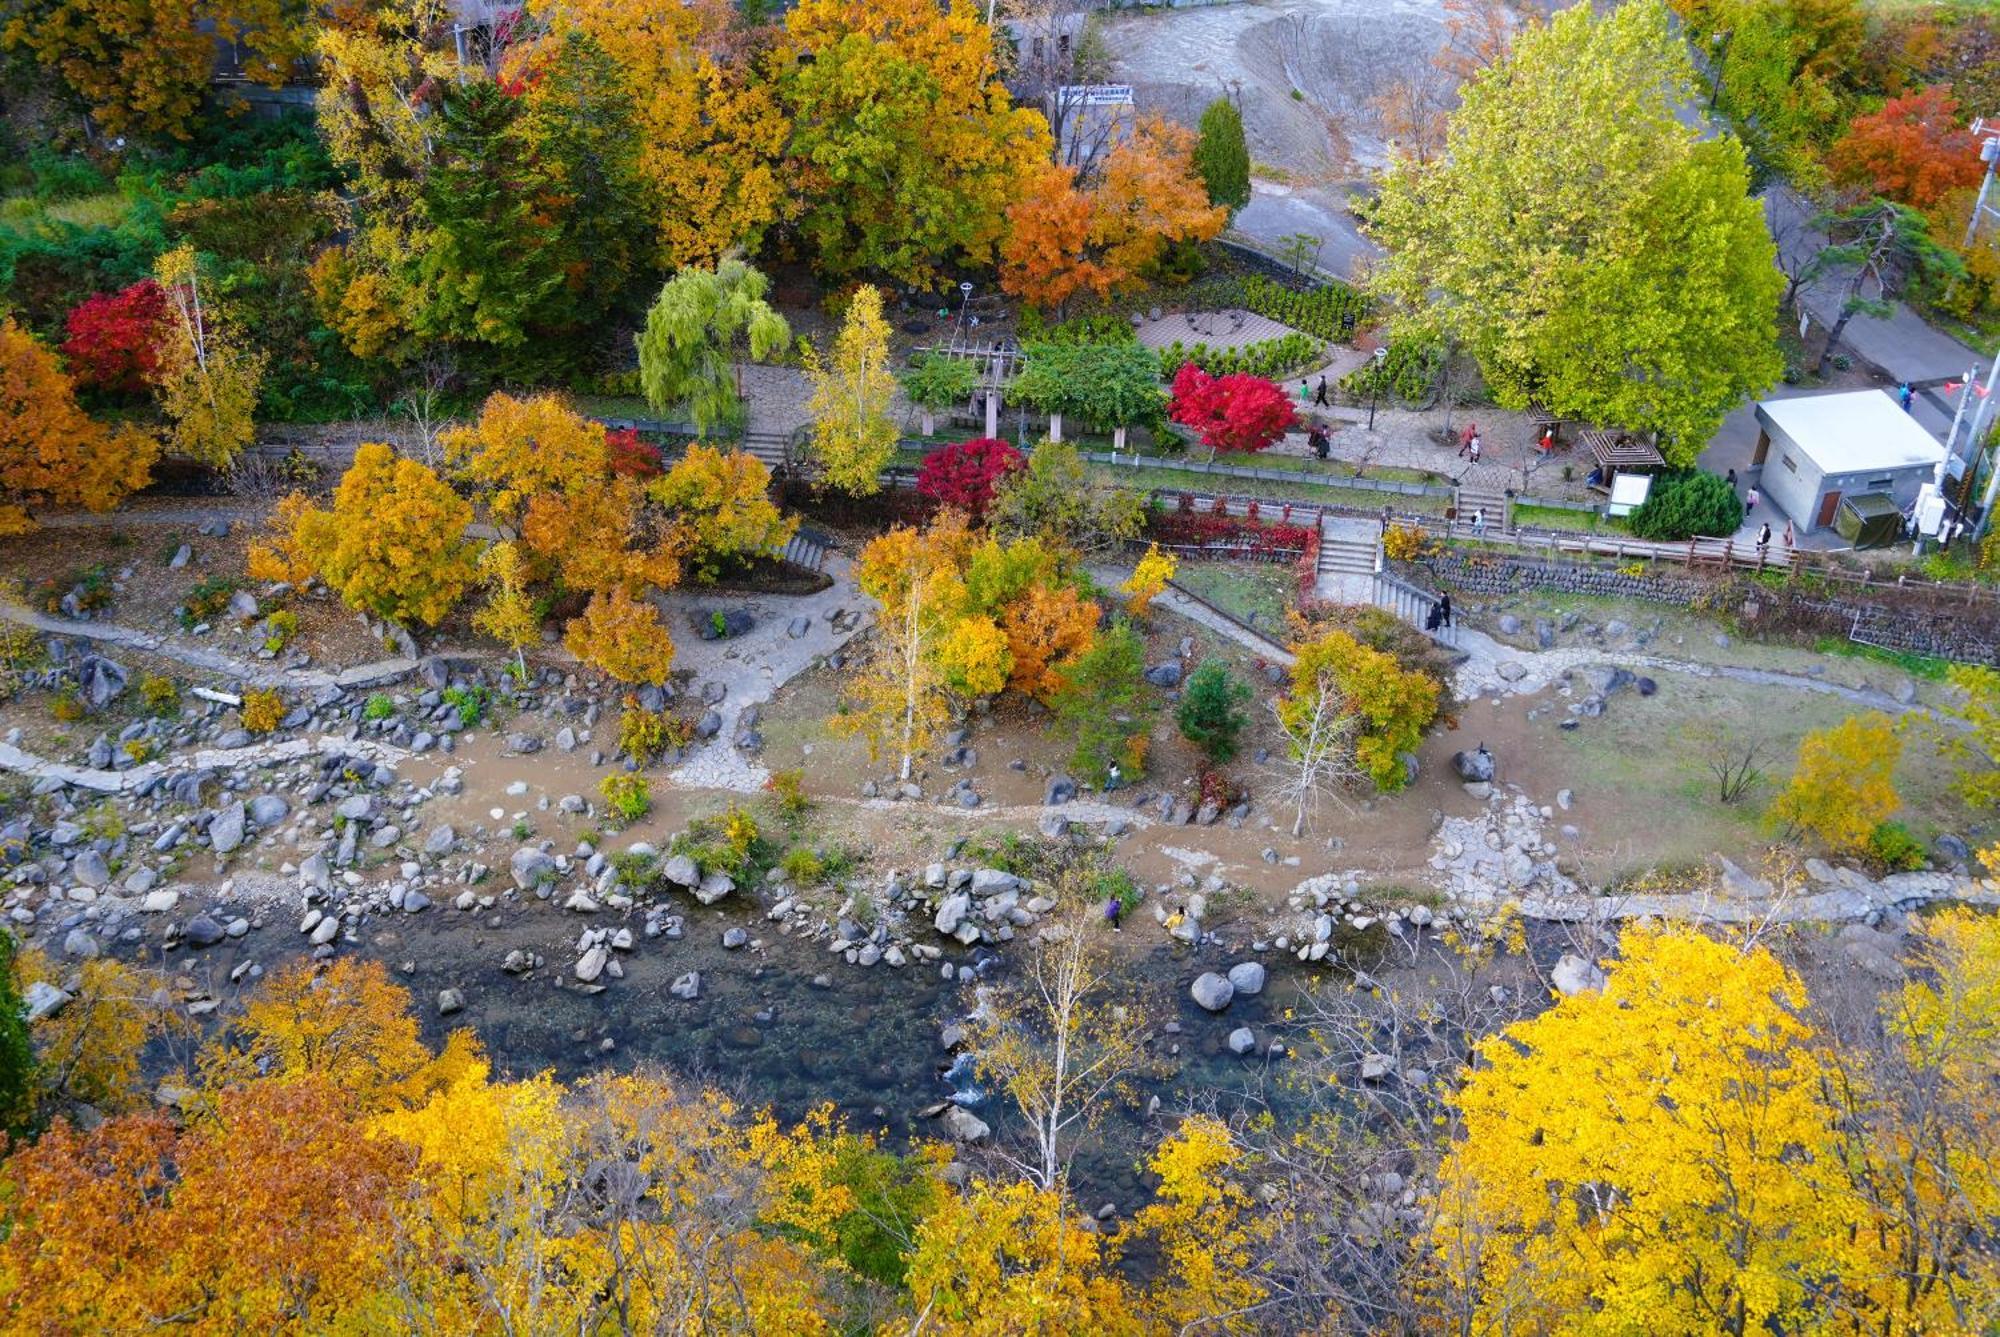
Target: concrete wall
column 1794, row 491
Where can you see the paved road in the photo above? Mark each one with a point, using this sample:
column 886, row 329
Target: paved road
column 1900, row 345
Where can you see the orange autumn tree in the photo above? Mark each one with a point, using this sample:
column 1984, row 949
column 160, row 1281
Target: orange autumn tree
column 51, row 452
column 1047, row 628
column 1065, row 237
column 139, row 67
column 1915, row 151
column 539, row 464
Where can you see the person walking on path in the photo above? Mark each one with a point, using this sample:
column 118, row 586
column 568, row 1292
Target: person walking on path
column 1764, row 540
column 1479, row 522
column 1444, row 610
column 1472, row 448
column 1791, row 539
column 1730, row 478
column 1904, row 395
column 1467, row 437
column 1749, row 502
column 1385, row 517
column 1319, row 395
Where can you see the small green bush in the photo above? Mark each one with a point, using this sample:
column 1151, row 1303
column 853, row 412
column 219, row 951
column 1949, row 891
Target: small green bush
column 1684, row 505
column 1892, row 846
column 469, row 702
column 379, row 707
column 1211, row 712
column 629, row 796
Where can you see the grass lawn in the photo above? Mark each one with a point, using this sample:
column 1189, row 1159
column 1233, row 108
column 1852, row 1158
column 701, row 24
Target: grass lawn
column 25, row 214
column 1254, row 593
column 1555, row 517
column 1188, row 480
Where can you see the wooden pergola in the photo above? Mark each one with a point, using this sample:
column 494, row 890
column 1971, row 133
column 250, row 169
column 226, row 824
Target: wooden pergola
column 997, row 361
column 1621, row 452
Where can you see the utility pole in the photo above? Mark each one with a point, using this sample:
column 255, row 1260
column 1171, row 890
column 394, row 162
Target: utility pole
column 1989, row 152
column 1977, row 436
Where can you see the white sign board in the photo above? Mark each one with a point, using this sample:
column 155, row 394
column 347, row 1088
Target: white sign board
column 1095, row 95
column 1629, row 493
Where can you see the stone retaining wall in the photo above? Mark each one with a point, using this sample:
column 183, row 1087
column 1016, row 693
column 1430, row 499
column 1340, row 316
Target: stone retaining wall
column 1897, row 620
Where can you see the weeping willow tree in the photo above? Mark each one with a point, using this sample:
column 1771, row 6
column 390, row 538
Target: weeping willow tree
column 691, row 352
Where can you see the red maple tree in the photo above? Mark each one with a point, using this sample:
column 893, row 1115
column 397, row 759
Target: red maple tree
column 965, row 474
column 114, row 338
column 1915, row 151
column 628, row 456
column 1238, row 412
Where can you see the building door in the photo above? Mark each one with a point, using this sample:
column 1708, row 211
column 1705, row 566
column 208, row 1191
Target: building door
column 1828, row 505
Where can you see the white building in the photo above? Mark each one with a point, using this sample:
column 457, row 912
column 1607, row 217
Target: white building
column 1818, row 449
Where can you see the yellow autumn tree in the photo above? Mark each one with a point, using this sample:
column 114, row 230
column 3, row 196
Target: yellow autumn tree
column 509, row 614
column 623, row 636
column 1013, row 1258
column 1658, row 1157
column 293, row 536
column 1207, row 1229
column 522, row 448
column 208, row 375
column 394, row 543
column 1844, row 786
column 51, row 453
column 721, row 504
column 853, row 436
column 1923, row 1137
column 1149, row 577
column 973, row 656
column 348, row 1024
column 88, row 1050
column 711, row 129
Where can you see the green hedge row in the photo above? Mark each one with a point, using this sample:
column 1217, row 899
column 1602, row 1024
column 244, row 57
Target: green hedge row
column 1272, row 359
column 1330, row 311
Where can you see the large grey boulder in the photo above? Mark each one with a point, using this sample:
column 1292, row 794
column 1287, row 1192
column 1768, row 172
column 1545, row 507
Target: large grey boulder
column 1247, row 977
column 687, row 987
column 962, row 1125
column 101, row 680
column 43, row 1000
column 440, row 840
column 1574, row 975
column 682, row 871
column 203, row 931
column 1167, row 674
column 530, row 868
column 267, row 810
column 993, row 881
column 226, row 829
column 1212, row 991
column 1474, row 766
column 89, row 869
column 952, row 912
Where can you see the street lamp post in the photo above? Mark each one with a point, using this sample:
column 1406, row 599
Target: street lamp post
column 1375, row 384
column 964, row 296
column 1721, row 41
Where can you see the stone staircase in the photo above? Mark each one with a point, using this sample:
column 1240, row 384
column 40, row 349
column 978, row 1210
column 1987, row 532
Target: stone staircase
column 1486, row 492
column 1350, row 553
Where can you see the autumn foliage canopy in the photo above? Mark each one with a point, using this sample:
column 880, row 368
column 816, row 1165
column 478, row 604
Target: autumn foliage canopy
column 965, row 474
column 1238, row 412
column 114, row 338
column 1915, row 151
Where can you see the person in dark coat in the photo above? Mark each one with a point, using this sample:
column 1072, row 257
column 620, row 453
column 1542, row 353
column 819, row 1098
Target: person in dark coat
column 1319, row 395
column 1444, row 611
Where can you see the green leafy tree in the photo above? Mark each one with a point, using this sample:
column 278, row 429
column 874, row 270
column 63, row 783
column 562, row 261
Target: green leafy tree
column 1781, row 72
column 1102, row 703
column 690, row 352
column 1887, row 252
column 1681, row 506
column 1221, row 156
column 935, row 382
column 17, row 1054
column 1057, row 500
column 1211, row 713
column 1619, row 274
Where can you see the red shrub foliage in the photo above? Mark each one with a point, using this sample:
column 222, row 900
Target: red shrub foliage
column 630, row 457
column 1189, row 529
column 1916, row 150
column 114, row 338
column 964, row 475
column 1237, row 412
